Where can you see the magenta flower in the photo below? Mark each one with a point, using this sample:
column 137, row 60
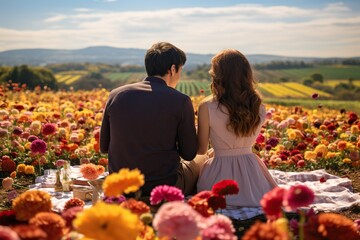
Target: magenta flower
column 271, row 203
column 225, row 187
column 260, row 138
column 48, row 129
column 298, row 196
column 165, row 193
column 38, row 146
column 177, row 220
column 218, row 227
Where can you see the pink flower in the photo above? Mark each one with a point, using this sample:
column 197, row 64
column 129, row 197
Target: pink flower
column 218, row 227
column 48, row 129
column 7, row 233
column 226, row 187
column 298, row 196
column 7, row 183
column 177, row 220
column 165, row 193
column 271, row 203
column 60, row 163
column 38, row 146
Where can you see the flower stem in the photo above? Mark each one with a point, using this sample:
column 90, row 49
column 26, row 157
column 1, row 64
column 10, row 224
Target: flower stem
column 301, row 224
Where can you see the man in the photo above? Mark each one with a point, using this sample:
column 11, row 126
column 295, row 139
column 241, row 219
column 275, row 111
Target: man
column 149, row 125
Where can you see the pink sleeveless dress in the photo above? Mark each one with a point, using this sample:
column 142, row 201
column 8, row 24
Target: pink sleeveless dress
column 235, row 160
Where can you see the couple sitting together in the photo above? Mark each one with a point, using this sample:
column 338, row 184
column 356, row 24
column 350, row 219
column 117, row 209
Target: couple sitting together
column 150, row 126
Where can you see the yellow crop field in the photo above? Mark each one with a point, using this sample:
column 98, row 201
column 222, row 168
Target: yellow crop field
column 333, row 83
column 72, row 79
column 279, row 90
column 305, row 89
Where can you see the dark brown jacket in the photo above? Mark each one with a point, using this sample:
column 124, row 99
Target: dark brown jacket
column 149, row 126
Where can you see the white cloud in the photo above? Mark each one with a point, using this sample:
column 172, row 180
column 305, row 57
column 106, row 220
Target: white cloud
column 329, row 31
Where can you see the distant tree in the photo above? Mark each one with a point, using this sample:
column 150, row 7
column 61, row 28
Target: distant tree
column 317, row 77
column 32, row 77
column 308, row 81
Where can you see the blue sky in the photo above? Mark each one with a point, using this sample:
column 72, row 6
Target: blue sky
column 316, row 28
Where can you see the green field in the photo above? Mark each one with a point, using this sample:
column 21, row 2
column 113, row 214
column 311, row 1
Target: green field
column 194, row 87
column 125, row 77
column 328, row 72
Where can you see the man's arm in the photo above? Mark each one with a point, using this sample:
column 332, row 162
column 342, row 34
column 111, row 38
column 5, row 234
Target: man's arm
column 186, row 133
column 105, row 130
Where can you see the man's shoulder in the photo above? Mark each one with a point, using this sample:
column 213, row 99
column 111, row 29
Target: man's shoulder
column 126, row 87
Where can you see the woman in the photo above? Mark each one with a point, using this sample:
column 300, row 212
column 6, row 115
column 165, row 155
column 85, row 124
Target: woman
column 231, row 119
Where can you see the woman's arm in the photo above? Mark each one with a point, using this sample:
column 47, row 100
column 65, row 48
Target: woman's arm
column 203, row 128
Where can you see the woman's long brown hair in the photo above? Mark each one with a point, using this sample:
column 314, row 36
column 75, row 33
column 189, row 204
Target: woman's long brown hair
column 233, row 86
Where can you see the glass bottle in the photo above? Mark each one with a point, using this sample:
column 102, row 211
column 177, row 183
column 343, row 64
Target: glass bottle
column 66, row 177
column 58, row 186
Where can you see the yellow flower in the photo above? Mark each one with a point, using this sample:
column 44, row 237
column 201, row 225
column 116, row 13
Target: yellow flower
column 321, row 148
column 107, row 222
column 21, row 168
column 332, row 154
column 29, row 169
column 282, row 224
column 291, row 135
column 31, row 202
column 310, row 155
column 354, row 129
column 27, row 145
column 344, row 136
column 346, row 160
column 124, row 181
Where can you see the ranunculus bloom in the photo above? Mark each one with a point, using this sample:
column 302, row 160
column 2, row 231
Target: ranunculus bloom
column 89, row 171
column 7, row 183
column 74, row 202
column 165, row 193
column 38, row 146
column 48, row 129
column 298, row 196
column 271, row 203
column 135, row 206
column 226, row 187
column 177, row 220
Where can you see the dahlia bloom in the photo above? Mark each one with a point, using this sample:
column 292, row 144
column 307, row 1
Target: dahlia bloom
column 74, row 202
column 330, row 226
column 51, row 223
column 218, row 227
column 31, row 202
column 89, row 171
column 225, row 187
column 125, row 181
column 298, row 196
column 199, row 202
column 107, row 222
column 165, row 193
column 21, row 168
column 38, row 146
column 271, row 203
column 177, row 220
column 29, row 169
column 135, row 206
column 8, row 165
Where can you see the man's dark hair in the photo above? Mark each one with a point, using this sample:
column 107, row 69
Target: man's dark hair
column 161, row 56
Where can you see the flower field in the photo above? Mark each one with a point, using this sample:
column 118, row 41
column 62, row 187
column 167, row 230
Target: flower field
column 39, row 129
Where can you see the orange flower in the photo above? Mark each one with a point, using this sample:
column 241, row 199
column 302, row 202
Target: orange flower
column 31, row 202
column 265, row 231
column 89, row 171
column 74, row 202
column 51, row 223
column 136, row 207
column 341, row 145
column 330, row 226
column 13, row 174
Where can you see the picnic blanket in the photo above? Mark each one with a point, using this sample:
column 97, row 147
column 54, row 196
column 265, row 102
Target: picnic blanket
column 333, row 193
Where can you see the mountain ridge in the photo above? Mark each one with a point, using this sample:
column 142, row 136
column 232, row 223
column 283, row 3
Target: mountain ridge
column 123, row 56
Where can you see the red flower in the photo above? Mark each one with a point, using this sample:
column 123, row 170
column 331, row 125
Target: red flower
column 226, row 187
column 216, row 202
column 48, row 129
column 7, row 217
column 271, row 203
column 8, row 165
column 315, row 95
column 260, row 138
column 322, row 179
column 298, row 196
